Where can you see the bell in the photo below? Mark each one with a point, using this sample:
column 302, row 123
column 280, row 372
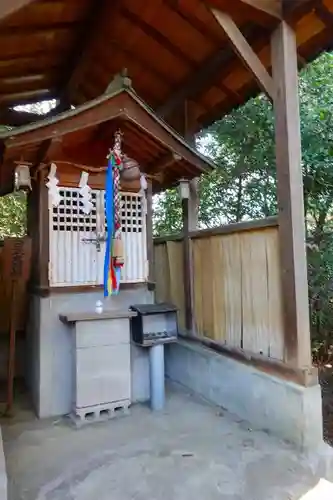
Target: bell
column 22, row 177
column 130, row 171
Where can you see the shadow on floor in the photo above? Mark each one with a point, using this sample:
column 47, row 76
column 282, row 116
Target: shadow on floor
column 191, row 450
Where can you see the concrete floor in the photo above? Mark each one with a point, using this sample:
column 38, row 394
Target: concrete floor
column 190, row 451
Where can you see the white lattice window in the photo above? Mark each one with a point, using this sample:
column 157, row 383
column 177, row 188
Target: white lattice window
column 77, row 241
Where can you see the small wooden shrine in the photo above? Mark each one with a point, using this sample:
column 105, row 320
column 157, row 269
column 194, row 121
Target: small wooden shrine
column 90, row 174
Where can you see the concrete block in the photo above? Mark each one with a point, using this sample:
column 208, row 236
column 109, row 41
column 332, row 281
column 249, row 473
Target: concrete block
column 288, row 410
column 102, row 333
column 99, row 413
column 103, row 374
column 102, row 362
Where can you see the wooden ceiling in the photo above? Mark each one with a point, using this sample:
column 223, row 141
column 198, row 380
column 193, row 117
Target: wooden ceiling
column 176, row 54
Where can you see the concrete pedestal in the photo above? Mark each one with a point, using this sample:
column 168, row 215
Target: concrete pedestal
column 156, row 365
column 101, row 364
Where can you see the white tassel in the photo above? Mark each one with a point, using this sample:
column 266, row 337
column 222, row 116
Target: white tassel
column 144, row 187
column 143, row 183
column 85, row 193
column 52, row 185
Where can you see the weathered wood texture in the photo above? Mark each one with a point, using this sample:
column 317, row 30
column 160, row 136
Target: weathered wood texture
column 169, row 276
column 11, row 256
column 174, row 50
column 237, row 295
column 290, row 197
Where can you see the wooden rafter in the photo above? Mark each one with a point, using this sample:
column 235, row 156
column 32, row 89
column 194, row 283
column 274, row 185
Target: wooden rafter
column 27, row 97
column 259, row 11
column 157, row 36
column 205, row 75
column 245, row 52
column 192, row 20
column 164, row 163
column 8, row 7
column 325, row 15
column 90, row 30
column 271, row 7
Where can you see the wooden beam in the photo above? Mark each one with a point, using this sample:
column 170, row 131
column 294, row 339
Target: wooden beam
column 90, row 31
column 290, row 198
column 204, row 76
column 266, row 13
column 27, row 97
column 156, row 35
column 32, row 30
column 149, row 231
column 187, row 273
column 271, row 7
column 43, row 229
column 324, row 14
column 164, row 163
column 245, row 52
column 8, row 7
column 14, row 118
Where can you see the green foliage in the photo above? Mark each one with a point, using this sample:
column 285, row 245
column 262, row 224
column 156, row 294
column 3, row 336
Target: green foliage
column 244, row 184
column 13, row 215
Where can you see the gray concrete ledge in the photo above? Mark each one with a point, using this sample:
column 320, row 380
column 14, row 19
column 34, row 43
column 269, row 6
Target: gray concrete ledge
column 73, row 317
column 288, row 410
column 3, row 471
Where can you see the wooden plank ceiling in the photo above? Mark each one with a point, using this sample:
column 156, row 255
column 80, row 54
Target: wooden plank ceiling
column 176, row 54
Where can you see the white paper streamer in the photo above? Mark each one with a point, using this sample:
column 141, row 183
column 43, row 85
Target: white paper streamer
column 144, row 187
column 52, row 185
column 143, row 183
column 85, row 193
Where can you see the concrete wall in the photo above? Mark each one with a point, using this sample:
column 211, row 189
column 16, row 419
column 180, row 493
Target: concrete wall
column 3, row 472
column 50, row 348
column 286, row 409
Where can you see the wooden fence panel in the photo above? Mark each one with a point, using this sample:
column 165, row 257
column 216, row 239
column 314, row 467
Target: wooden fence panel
column 254, row 293
column 275, row 311
column 236, row 287
column 227, row 289
column 177, row 296
column 161, row 273
column 237, row 295
column 169, row 276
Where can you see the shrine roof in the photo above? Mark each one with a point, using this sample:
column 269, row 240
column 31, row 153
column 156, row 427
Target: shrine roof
column 84, row 135
column 176, row 53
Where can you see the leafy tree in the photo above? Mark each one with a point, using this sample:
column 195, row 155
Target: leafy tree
column 244, row 184
column 13, row 215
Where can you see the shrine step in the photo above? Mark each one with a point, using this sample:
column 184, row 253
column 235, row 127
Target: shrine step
column 99, row 413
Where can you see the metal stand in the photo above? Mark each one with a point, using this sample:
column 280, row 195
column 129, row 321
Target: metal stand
column 156, row 366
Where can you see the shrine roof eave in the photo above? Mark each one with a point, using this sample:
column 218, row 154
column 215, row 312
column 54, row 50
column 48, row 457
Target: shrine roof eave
column 78, row 133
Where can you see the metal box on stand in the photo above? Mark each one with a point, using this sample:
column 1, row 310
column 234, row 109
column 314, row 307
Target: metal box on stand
column 154, row 324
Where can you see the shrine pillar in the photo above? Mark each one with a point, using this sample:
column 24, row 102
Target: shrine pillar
column 293, row 263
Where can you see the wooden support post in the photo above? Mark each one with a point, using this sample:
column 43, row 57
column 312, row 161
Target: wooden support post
column 187, row 266
column 290, row 198
column 193, row 207
column 149, row 230
column 43, row 232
